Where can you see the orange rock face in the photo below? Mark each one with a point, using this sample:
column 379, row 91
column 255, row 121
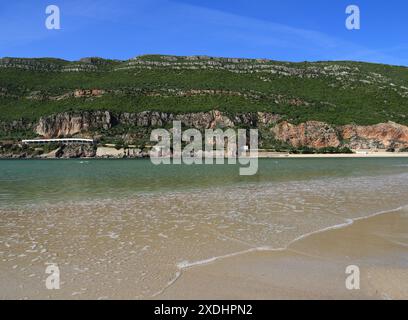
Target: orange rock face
column 318, row 135
column 312, row 134
column 383, row 135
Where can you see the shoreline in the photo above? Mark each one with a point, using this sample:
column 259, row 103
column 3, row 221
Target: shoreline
column 339, row 155
column 232, row 252
column 214, row 276
column 262, row 155
column 348, row 222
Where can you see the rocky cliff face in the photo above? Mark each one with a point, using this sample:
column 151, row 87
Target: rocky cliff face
column 69, row 124
column 320, row 135
column 383, row 135
column 312, row 134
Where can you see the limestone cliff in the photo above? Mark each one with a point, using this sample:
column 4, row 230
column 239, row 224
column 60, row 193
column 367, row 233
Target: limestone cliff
column 69, row 124
column 311, row 134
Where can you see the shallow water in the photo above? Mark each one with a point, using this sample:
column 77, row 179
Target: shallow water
column 121, row 228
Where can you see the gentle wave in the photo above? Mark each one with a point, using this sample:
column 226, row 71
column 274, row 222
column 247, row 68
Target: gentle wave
column 184, row 265
column 150, row 237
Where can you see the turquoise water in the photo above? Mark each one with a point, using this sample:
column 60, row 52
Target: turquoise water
column 128, row 229
column 50, row 180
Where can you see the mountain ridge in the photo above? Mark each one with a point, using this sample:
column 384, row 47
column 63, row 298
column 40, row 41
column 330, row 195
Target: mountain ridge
column 334, row 94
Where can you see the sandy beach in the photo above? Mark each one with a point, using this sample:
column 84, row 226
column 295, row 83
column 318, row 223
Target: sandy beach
column 129, row 230
column 311, row 268
column 358, row 155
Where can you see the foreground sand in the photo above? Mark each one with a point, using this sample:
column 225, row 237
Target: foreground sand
column 311, row 268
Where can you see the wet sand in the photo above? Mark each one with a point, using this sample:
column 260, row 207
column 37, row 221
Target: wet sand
column 311, row 268
column 123, row 235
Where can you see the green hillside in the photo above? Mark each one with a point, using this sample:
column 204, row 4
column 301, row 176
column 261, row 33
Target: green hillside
column 333, row 92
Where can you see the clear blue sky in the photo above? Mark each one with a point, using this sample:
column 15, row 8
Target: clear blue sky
column 294, row 30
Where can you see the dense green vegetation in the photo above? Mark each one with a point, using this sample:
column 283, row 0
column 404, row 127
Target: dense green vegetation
column 334, row 92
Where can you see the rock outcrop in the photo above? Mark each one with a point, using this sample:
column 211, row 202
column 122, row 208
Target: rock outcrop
column 382, row 136
column 81, row 93
column 320, row 135
column 69, row 124
column 76, row 151
column 312, row 134
column 65, row 151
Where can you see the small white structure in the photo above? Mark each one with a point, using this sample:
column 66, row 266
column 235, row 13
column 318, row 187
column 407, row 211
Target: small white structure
column 62, row 141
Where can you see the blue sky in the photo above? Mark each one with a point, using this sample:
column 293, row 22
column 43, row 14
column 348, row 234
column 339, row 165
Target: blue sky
column 291, row 30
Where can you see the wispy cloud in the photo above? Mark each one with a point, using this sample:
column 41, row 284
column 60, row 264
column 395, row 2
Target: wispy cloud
column 269, row 35
column 167, row 26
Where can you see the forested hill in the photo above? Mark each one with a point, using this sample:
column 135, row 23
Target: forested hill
column 337, row 93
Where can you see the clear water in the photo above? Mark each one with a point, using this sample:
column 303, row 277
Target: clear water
column 127, row 228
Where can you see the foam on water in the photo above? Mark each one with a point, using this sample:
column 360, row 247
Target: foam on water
column 138, row 244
